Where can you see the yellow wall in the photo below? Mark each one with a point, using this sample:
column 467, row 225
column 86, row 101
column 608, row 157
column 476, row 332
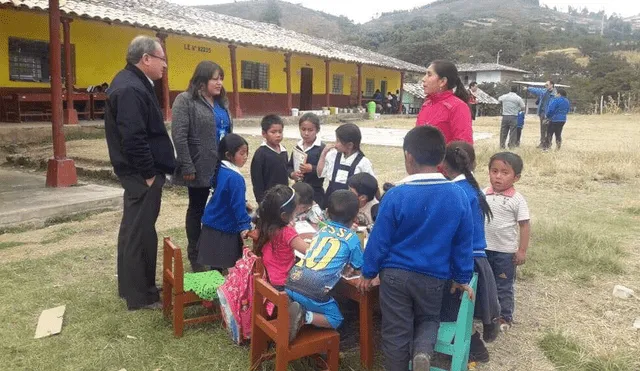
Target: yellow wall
column 101, row 49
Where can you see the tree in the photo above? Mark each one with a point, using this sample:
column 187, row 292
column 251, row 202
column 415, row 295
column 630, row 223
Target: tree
column 272, row 13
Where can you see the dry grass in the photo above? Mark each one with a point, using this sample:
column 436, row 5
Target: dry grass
column 585, row 239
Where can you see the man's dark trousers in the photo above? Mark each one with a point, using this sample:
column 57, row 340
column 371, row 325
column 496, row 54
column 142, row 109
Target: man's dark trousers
column 508, row 128
column 138, row 240
column 410, row 304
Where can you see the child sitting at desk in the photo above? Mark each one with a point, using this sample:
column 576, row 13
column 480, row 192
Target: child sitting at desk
column 307, row 209
column 365, row 186
column 311, row 279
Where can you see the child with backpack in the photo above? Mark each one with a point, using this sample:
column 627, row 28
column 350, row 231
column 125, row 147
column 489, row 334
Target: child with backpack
column 225, row 222
column 340, row 161
column 277, row 239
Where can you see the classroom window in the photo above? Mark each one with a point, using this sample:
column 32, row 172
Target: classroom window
column 338, row 84
column 255, row 75
column 29, row 60
column 369, row 87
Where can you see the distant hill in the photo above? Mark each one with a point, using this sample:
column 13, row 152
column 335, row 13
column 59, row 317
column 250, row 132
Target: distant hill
column 290, row 16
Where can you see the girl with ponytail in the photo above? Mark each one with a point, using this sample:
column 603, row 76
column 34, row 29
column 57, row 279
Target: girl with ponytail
column 459, row 163
column 445, row 106
column 225, row 222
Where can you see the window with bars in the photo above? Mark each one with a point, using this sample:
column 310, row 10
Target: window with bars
column 255, row 75
column 338, row 84
column 29, row 60
column 369, row 87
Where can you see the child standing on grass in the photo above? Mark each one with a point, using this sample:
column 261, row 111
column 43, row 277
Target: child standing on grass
column 341, row 161
column 311, row 144
column 277, row 238
column 459, row 164
column 508, row 232
column 269, row 164
column 422, row 237
column 310, row 281
column 225, row 221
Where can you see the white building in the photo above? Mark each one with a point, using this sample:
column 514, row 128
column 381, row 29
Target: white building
column 488, row 73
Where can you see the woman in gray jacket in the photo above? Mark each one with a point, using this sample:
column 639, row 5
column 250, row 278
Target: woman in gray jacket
column 200, row 119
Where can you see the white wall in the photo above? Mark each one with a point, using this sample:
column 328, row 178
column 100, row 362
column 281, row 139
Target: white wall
column 488, row 76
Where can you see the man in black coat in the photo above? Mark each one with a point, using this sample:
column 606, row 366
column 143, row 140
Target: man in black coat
column 141, row 153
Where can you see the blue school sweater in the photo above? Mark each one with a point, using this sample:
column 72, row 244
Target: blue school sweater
column 479, row 242
column 226, row 210
column 424, row 225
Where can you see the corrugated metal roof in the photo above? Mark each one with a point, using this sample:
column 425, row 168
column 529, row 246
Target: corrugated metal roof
column 173, row 18
column 478, row 67
column 417, row 91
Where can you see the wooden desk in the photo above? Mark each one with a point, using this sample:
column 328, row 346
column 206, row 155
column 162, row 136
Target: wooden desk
column 366, row 303
column 96, row 97
column 13, row 104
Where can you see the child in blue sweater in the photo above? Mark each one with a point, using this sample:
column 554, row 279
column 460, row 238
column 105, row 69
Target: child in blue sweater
column 422, row 237
column 459, row 163
column 225, row 222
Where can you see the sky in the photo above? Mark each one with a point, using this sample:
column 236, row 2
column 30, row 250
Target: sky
column 361, row 11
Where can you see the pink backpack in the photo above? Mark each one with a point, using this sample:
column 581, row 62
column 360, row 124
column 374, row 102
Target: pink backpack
column 236, row 296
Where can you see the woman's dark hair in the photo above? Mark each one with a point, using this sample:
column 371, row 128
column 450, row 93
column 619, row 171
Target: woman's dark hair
column 562, row 92
column 510, row 159
column 304, row 193
column 460, row 157
column 269, row 120
column 448, row 69
column 312, row 118
column 349, row 133
column 279, row 199
column 426, row 144
column 204, row 72
column 231, row 143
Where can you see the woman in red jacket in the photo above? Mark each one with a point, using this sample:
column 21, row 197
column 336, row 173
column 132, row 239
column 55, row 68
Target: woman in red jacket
column 443, row 108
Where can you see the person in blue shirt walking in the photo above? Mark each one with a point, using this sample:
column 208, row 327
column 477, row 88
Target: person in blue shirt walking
column 200, row 119
column 422, row 237
column 557, row 116
column 544, row 97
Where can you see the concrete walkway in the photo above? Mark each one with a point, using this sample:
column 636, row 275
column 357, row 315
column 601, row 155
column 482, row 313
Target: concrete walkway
column 26, row 201
column 374, row 136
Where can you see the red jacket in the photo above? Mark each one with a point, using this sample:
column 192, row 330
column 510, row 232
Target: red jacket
column 449, row 114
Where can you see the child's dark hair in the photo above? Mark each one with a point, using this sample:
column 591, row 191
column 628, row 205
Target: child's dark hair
column 562, row 92
column 364, row 184
column 312, row 118
column 343, row 207
column 231, row 143
column 460, row 157
column 426, row 144
column 278, row 200
column 269, row 120
column 304, row 193
column 349, row 133
column 511, row 159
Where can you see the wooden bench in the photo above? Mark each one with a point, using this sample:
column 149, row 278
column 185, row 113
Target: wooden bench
column 21, row 106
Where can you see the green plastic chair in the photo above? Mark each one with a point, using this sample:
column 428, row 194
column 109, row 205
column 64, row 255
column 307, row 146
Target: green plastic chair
column 454, row 338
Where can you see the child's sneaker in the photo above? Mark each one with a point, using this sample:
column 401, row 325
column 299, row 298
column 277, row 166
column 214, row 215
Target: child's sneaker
column 296, row 319
column 421, row 362
column 478, row 351
column 504, row 324
column 490, row 332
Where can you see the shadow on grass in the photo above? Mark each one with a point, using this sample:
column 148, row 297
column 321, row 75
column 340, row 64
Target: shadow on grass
column 567, row 354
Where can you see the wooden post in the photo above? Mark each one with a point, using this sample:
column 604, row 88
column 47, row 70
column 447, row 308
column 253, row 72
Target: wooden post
column 61, row 171
column 601, row 104
column 287, row 61
column 401, row 92
column 327, row 78
column 359, row 84
column 70, row 115
column 166, row 104
column 237, row 111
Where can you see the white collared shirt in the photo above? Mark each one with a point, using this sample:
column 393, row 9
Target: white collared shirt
column 364, row 166
column 282, row 149
column 317, row 142
column 423, row 176
column 231, row 166
column 459, row 178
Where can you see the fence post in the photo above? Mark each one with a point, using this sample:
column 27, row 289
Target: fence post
column 601, row 103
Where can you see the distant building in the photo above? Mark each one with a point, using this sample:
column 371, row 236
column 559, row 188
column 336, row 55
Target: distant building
column 488, row 73
column 413, row 97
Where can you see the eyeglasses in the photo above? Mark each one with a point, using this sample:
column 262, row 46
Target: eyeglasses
column 160, row 58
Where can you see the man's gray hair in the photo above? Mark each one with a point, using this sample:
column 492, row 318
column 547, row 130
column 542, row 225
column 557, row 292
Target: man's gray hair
column 140, row 46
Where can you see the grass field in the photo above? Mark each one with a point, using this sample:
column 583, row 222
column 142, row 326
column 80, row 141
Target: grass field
column 585, row 239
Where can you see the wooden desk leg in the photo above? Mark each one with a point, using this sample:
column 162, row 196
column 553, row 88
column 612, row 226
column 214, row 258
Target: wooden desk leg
column 91, row 108
column 366, row 330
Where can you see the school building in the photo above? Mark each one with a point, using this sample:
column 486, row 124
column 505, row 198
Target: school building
column 267, row 68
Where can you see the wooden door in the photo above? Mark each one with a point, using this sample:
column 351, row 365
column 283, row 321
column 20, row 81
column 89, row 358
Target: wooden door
column 306, row 88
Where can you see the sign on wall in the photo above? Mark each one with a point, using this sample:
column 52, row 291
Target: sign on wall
column 196, row 48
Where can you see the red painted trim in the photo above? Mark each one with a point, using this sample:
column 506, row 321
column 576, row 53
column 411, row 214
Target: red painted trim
column 359, row 84
column 401, row 92
column 327, row 78
column 70, row 116
column 235, row 102
column 287, row 60
column 166, row 107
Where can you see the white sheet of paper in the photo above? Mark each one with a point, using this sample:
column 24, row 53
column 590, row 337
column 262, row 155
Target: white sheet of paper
column 50, row 322
column 304, row 227
column 299, row 158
